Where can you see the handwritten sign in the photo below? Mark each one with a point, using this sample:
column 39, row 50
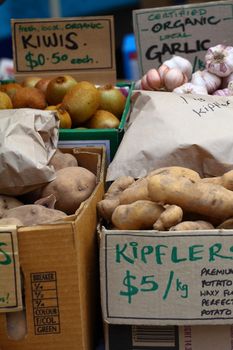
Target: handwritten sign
column 163, row 278
column 82, row 46
column 10, row 286
column 186, row 31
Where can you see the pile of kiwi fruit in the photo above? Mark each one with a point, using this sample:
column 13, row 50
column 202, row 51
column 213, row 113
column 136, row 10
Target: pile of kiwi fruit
column 78, row 104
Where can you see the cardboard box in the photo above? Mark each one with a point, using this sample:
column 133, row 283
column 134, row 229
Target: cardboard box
column 60, row 279
column 110, row 138
column 168, row 337
column 179, row 282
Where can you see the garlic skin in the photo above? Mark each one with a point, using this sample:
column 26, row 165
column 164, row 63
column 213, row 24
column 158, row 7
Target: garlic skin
column 204, row 78
column 162, row 70
column 144, row 84
column 153, row 79
column 226, row 80
column 173, row 78
column 138, row 85
column 223, row 92
column 197, row 79
column 190, row 88
column 184, row 65
column 219, row 60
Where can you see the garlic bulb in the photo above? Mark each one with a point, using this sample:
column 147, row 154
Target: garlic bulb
column 162, row 70
column 182, row 63
column 173, row 78
column 226, row 80
column 223, row 92
column 230, row 87
column 144, row 83
column 197, row 79
column 153, row 79
column 190, row 88
column 219, row 60
column 137, row 85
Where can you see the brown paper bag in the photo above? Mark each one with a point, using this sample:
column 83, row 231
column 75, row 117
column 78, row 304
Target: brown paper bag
column 28, row 140
column 167, row 129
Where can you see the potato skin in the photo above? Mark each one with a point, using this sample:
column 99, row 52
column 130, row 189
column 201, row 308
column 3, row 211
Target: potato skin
column 172, row 215
column 71, row 187
column 192, row 225
column 139, row 215
column 198, row 197
column 62, row 160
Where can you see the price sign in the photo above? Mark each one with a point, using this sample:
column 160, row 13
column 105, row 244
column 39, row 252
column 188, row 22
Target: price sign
column 187, row 31
column 82, row 47
column 162, row 278
column 10, row 284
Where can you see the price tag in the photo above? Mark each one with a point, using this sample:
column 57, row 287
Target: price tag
column 10, row 284
column 167, row 278
column 186, row 31
column 83, row 47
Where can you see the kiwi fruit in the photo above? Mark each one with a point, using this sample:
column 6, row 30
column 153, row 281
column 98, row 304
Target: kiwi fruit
column 112, row 99
column 29, row 97
column 103, row 120
column 58, row 87
column 42, row 84
column 10, row 88
column 63, row 115
column 30, row 81
column 5, row 101
column 81, row 101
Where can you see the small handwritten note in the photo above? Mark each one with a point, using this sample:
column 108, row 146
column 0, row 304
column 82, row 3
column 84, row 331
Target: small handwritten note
column 10, row 285
column 161, row 278
column 66, row 45
column 187, row 31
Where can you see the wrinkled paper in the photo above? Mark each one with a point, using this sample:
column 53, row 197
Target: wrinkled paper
column 28, row 140
column 168, row 129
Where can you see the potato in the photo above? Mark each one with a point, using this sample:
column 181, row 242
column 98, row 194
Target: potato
column 11, row 221
column 172, row 215
column 119, row 185
column 62, row 160
column 16, row 324
column 176, row 171
column 137, row 191
column 136, row 216
column 8, row 202
column 192, row 225
column 110, row 201
column 34, row 214
column 211, row 200
column 71, row 187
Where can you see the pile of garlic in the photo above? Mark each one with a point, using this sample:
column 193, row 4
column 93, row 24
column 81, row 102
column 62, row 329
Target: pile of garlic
column 176, row 74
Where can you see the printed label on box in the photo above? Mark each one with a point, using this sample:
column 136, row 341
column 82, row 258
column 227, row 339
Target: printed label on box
column 163, row 278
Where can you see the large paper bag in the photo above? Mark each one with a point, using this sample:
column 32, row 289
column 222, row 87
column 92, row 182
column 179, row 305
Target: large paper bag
column 168, row 129
column 28, row 140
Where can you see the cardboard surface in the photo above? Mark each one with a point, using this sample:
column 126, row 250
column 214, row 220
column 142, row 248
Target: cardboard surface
column 183, row 30
column 168, row 337
column 10, row 286
column 60, row 281
column 162, row 278
column 79, row 46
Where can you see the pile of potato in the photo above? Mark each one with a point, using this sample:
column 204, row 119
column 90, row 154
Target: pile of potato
column 53, row 201
column 169, row 199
